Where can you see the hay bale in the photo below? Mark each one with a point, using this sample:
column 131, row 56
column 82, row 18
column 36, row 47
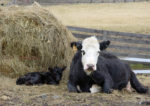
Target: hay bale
column 4, row 2
column 32, row 39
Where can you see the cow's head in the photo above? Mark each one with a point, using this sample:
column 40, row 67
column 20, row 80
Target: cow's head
column 90, row 49
column 90, row 52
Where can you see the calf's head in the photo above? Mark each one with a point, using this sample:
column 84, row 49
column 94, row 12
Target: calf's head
column 90, row 49
column 57, row 73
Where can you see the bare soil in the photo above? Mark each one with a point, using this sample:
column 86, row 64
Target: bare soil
column 50, row 95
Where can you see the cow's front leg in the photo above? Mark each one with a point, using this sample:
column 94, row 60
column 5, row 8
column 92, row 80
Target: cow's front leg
column 104, row 80
column 72, row 87
column 85, row 87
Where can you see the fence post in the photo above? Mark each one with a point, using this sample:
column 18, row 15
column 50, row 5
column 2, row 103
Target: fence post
column 14, row 1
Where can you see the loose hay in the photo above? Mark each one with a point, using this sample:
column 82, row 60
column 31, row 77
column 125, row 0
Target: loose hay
column 32, row 39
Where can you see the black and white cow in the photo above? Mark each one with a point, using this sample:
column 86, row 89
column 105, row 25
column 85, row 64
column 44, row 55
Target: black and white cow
column 91, row 66
column 53, row 77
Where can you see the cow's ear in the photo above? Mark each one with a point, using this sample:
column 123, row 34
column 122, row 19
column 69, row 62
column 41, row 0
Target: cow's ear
column 104, row 45
column 76, row 46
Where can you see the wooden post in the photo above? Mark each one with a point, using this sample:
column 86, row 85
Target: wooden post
column 14, row 1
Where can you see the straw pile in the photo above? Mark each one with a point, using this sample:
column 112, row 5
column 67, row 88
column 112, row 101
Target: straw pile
column 32, row 39
column 5, row 2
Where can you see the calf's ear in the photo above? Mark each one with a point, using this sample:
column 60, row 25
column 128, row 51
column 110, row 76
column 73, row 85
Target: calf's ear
column 63, row 68
column 104, row 45
column 76, row 46
column 50, row 69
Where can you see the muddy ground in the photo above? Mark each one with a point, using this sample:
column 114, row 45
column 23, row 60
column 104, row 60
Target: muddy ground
column 50, row 95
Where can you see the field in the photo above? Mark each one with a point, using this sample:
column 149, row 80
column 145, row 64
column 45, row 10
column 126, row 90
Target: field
column 125, row 17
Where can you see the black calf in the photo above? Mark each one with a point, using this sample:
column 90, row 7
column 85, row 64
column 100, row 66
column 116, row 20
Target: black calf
column 52, row 77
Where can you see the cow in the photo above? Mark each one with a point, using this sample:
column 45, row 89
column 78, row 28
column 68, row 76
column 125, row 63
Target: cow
column 52, row 77
column 92, row 66
column 77, row 46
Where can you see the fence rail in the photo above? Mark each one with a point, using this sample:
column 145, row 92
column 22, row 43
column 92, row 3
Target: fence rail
column 51, row 2
column 127, row 40
column 89, row 30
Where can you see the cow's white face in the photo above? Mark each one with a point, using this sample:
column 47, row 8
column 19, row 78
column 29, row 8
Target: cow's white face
column 90, row 52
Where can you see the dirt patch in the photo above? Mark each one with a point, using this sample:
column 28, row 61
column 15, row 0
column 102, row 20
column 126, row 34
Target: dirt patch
column 44, row 95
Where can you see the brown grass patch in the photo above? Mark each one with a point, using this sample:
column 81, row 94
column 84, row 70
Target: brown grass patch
column 125, row 17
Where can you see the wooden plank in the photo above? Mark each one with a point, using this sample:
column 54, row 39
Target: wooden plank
column 55, row 2
column 124, row 47
column 138, row 49
column 119, row 1
column 131, row 60
column 136, row 59
column 63, row 1
column 83, row 36
column 102, row 1
column 141, row 71
column 105, row 32
column 129, row 0
column 130, row 48
column 129, row 55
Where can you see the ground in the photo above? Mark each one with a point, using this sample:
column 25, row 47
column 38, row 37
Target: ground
column 125, row 17
column 44, row 95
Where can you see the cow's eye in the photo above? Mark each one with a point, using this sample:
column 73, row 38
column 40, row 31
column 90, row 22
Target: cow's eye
column 83, row 52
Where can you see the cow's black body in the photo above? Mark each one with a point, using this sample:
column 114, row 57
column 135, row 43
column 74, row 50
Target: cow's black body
column 52, row 77
column 77, row 76
column 111, row 73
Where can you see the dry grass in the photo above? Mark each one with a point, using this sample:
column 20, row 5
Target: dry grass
column 32, row 39
column 58, row 95
column 125, row 17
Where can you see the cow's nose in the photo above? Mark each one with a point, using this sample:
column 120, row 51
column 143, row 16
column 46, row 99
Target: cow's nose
column 90, row 66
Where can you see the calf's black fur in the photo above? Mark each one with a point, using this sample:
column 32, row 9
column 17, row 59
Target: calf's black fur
column 53, row 76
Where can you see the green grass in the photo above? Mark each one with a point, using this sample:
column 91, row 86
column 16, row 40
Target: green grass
column 140, row 66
